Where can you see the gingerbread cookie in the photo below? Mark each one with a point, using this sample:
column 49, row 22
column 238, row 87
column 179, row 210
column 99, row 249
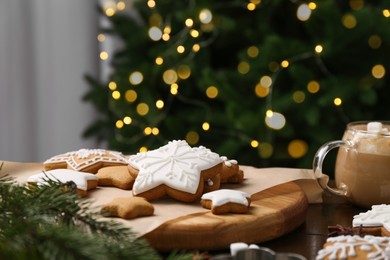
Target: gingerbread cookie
column 84, row 181
column 226, row 201
column 86, row 160
column 116, row 176
column 212, row 184
column 128, row 208
column 355, row 247
column 176, row 170
column 231, row 172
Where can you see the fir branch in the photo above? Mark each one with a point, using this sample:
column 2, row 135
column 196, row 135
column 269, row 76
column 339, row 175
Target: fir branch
column 50, row 222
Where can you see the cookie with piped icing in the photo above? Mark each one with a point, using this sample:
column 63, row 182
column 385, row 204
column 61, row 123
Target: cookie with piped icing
column 176, row 170
column 230, row 171
column 83, row 181
column 225, row 201
column 86, row 160
column 355, row 247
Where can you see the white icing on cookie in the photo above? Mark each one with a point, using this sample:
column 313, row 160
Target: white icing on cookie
column 228, row 162
column 345, row 246
column 223, row 196
column 176, row 165
column 64, row 176
column 379, row 215
column 95, row 155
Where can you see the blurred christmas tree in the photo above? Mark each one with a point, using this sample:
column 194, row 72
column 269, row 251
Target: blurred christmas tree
column 265, row 82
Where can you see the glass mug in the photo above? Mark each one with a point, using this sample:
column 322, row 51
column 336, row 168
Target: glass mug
column 362, row 169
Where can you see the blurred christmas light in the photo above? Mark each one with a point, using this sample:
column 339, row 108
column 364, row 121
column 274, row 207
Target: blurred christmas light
column 174, row 89
column 275, row 121
column 180, row 49
column 109, row 8
column 142, row 109
column 192, row 137
column 261, row 91
column 318, row 48
column 148, row 130
column 337, row 101
column 121, row 5
column 127, row 120
column 254, row 143
column 251, row 6
column 155, row 131
column 374, row 41
column 313, row 87
column 151, row 3
column 196, row 47
column 312, row 5
column 284, row 64
column 143, row 149
column 101, row 37
column 155, row 20
column 116, row 95
column 131, row 96
column 103, row 55
column 253, row 51
column 266, row 81
column 159, row 60
column 194, row 33
column 297, row 148
column 349, row 21
column 265, row 150
column 159, row 104
column 206, row 126
column 378, row 71
column 205, row 16
column 243, row 67
column 119, row 124
column 155, row 33
column 211, row 92
column 112, row 85
column 298, row 96
column 184, row 72
column 356, row 4
column 189, row 22
column 136, row 78
column 170, row 76
column 303, row 12
column 386, row 13
column 165, row 37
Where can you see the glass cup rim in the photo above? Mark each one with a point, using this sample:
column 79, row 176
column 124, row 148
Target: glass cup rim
column 351, row 127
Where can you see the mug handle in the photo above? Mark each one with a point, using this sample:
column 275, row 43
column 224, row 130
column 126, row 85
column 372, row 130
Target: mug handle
column 317, row 166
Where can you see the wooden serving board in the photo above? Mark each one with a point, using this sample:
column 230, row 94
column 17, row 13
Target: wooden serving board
column 273, row 213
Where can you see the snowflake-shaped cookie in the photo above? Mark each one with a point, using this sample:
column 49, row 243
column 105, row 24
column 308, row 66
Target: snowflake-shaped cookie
column 226, row 201
column 367, row 247
column 378, row 216
column 176, row 169
column 84, row 181
column 86, row 160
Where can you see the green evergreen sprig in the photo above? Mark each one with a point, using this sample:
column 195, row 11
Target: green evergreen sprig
column 50, row 221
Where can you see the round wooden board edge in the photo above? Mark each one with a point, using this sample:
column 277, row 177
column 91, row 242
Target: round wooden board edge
column 177, row 234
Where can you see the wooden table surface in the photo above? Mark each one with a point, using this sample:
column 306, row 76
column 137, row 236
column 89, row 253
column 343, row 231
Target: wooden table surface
column 310, row 236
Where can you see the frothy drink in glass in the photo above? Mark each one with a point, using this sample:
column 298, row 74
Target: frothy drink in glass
column 362, row 170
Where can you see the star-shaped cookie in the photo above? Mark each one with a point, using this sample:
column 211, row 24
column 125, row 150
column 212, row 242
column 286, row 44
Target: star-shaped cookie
column 84, row 181
column 226, row 201
column 86, row 160
column 128, row 208
column 116, row 176
column 176, row 169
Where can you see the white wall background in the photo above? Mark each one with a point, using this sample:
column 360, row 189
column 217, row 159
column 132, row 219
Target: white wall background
column 45, row 49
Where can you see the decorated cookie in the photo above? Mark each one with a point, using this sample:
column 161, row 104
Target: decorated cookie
column 378, row 216
column 116, row 176
column 176, row 169
column 226, row 201
column 86, row 160
column 355, row 247
column 84, row 181
column 212, row 184
column 128, row 208
column 230, row 172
